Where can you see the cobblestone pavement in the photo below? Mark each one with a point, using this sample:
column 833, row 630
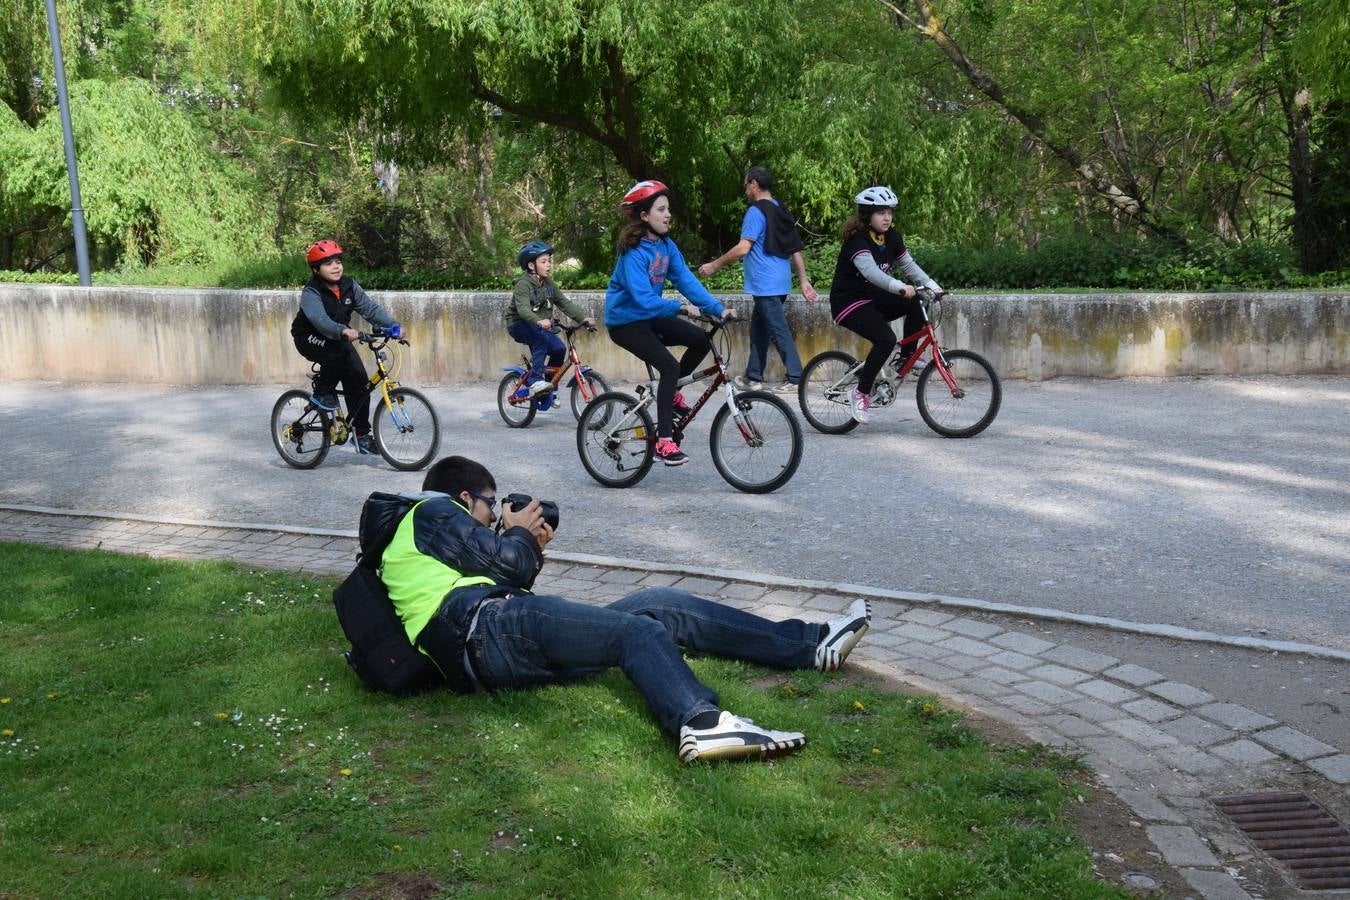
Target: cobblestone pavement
column 1164, row 747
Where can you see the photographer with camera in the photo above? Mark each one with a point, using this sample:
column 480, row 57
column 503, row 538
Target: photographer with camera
column 462, row 592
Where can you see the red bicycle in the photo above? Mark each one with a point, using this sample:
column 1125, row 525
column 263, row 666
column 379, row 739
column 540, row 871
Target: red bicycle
column 958, row 391
column 518, row 408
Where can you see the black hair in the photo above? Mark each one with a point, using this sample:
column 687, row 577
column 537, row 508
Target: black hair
column 456, row 474
column 760, row 176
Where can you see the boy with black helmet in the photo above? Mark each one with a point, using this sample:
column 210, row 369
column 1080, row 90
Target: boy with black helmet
column 322, row 334
column 864, row 297
column 529, row 318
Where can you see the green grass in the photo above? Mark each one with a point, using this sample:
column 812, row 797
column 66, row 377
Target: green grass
column 174, row 726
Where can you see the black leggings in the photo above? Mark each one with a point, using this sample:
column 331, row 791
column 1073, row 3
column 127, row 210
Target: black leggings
column 873, row 322
column 647, row 340
column 338, row 361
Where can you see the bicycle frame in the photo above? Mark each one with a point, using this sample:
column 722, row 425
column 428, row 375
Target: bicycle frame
column 380, row 379
column 717, row 371
column 571, row 361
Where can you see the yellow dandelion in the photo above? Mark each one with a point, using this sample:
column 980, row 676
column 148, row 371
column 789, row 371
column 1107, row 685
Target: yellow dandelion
column 398, row 848
column 53, row 695
column 8, row 732
column 220, row 715
column 926, row 709
column 876, row 749
column 4, row 700
column 346, row 772
column 857, row 704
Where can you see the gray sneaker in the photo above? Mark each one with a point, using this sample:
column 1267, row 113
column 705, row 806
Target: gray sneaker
column 736, row 738
column 786, row 387
column 842, row 635
column 746, row 384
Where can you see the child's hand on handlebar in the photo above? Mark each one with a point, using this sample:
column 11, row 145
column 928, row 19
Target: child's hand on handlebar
column 729, row 313
column 546, row 324
column 690, row 310
column 589, row 322
column 351, row 335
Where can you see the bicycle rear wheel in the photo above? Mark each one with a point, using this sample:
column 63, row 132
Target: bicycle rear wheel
column 824, row 392
column 300, row 430
column 407, row 432
column 759, row 449
column 967, row 411
column 615, row 440
column 595, row 386
column 515, row 412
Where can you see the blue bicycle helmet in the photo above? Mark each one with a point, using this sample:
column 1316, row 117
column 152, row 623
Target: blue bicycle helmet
column 530, row 252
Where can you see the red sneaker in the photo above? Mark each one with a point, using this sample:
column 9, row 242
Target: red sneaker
column 669, row 452
column 681, row 404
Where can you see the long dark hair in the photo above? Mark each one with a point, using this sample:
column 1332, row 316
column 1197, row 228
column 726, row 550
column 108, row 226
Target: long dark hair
column 858, row 223
column 634, row 230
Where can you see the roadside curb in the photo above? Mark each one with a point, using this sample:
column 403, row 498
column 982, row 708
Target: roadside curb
column 1172, row 632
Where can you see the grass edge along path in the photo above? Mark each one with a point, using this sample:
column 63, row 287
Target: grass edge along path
column 169, row 726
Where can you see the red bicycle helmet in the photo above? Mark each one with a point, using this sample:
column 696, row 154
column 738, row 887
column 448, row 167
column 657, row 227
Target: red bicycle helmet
column 642, row 193
column 322, row 251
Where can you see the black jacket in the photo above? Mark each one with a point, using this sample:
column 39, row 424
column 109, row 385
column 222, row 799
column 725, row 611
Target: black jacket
column 445, row 531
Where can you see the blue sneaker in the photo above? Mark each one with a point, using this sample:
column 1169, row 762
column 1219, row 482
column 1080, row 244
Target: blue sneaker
column 325, row 402
column 522, row 394
column 365, row 443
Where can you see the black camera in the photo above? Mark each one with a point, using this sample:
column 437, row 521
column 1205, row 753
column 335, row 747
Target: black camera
column 548, row 508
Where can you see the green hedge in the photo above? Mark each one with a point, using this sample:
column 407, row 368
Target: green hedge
column 1074, row 262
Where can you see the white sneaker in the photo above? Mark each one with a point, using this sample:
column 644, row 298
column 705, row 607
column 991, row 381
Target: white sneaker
column 842, row 635
column 540, row 387
column 860, row 403
column 736, row 738
column 746, row 384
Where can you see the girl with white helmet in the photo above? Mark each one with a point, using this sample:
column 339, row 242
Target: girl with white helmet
column 865, row 297
column 642, row 321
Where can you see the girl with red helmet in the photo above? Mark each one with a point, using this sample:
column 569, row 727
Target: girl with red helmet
column 642, row 321
column 322, row 334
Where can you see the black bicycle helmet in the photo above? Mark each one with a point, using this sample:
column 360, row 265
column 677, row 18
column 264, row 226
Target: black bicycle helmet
column 530, row 252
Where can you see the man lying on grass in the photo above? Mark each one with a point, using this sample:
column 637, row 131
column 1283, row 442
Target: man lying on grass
column 461, row 590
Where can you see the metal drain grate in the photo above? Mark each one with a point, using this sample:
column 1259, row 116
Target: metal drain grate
column 1292, row 828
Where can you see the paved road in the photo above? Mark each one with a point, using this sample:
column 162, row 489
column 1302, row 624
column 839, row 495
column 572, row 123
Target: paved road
column 1215, row 503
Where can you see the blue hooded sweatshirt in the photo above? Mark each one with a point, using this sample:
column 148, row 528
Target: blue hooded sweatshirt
column 634, row 291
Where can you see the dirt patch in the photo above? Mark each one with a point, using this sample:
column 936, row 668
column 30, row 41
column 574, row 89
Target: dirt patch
column 398, row 886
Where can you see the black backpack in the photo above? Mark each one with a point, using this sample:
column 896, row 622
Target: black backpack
column 381, row 655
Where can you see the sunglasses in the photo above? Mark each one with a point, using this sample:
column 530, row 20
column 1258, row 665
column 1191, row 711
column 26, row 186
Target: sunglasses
column 490, row 501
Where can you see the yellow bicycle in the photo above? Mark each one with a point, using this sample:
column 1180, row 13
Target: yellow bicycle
column 404, row 424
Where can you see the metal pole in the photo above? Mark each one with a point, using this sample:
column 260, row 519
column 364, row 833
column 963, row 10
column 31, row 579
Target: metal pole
column 76, row 210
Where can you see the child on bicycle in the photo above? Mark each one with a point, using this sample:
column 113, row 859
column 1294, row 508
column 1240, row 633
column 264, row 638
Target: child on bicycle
column 529, row 318
column 322, row 334
column 865, row 298
column 642, row 321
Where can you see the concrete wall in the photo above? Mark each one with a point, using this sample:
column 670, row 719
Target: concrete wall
column 185, row 336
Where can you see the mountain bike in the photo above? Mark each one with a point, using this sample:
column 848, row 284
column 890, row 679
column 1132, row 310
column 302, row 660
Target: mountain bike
column 958, row 391
column 404, row 424
column 755, row 440
column 586, row 384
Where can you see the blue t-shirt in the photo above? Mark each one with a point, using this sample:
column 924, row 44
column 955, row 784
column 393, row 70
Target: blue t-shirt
column 766, row 275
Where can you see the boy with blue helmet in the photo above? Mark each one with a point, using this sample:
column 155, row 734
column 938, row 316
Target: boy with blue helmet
column 529, row 318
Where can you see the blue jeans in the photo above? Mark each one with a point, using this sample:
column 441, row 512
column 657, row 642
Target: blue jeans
column 531, row 640
column 542, row 344
column 768, row 323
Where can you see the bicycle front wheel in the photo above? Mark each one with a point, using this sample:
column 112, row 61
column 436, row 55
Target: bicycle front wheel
column 595, row 385
column 299, row 430
column 615, row 440
column 758, row 449
column 407, row 432
column 824, row 392
column 969, row 409
column 515, row 411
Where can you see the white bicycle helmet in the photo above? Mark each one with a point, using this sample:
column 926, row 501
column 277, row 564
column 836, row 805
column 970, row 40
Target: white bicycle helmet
column 877, row 195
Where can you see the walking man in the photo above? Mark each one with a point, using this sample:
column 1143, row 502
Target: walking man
column 768, row 240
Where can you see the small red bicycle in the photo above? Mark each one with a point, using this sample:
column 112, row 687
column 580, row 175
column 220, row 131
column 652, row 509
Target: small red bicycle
column 518, row 409
column 958, row 391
